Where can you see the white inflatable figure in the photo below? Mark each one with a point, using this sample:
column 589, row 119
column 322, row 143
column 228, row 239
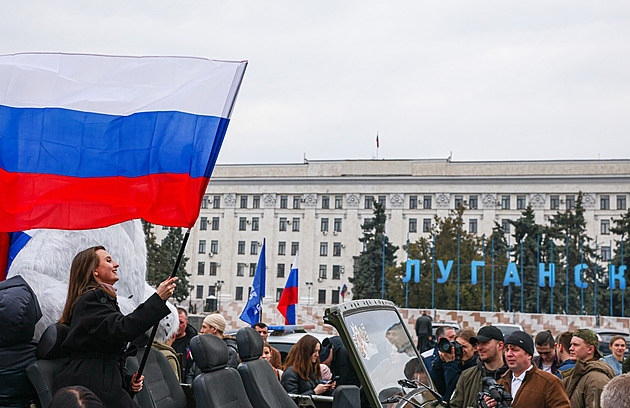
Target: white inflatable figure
column 45, row 262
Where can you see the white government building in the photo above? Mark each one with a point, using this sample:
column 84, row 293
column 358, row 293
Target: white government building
column 318, row 207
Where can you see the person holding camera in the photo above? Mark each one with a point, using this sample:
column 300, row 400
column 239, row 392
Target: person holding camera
column 528, row 385
column 454, row 357
column 489, row 345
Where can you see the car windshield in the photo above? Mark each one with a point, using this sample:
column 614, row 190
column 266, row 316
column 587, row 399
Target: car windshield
column 385, row 350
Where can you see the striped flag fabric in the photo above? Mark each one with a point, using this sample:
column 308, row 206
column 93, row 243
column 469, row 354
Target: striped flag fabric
column 289, row 297
column 88, row 141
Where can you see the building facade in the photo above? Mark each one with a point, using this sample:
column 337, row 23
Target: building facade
column 317, row 208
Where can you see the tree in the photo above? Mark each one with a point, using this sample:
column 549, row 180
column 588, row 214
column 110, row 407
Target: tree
column 622, row 257
column 367, row 279
column 161, row 259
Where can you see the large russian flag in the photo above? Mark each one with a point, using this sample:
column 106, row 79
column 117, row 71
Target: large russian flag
column 87, row 141
column 289, row 297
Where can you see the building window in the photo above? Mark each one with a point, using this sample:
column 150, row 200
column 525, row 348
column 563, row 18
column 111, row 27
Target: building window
column 280, row 271
column 203, row 224
column 242, row 224
column 337, row 225
column 241, row 248
column 201, row 266
column 295, row 225
column 337, row 249
column 295, row 247
column 413, row 202
column 426, row 202
column 554, row 202
column 472, row 225
column 323, row 249
column 459, row 201
column 165, row 227
column 426, row 225
column 506, row 226
column 505, row 202
column 216, row 202
column 322, row 271
column 284, row 201
column 256, row 202
column 521, row 202
column 325, row 202
column 255, row 223
column 282, row 248
column 413, row 225
column 367, row 220
column 336, row 272
column 253, row 248
column 202, row 246
column 605, row 227
column 335, row 296
column 240, row 269
column 214, row 246
column 606, row 254
column 212, row 290
column 243, row 201
column 204, row 202
column 283, row 224
column 321, row 297
column 570, row 201
column 621, row 202
column 279, row 293
column 213, row 269
column 239, row 293
column 382, row 200
column 215, row 223
column 252, row 269
column 604, row 202
column 368, row 202
column 296, row 202
column 324, row 224
column 199, row 292
column 473, row 202
column 338, row 202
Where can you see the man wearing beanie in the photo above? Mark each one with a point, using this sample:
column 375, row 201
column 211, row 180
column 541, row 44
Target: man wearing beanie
column 529, row 385
column 584, row 382
column 489, row 346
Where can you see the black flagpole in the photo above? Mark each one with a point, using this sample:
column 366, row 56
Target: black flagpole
column 175, row 268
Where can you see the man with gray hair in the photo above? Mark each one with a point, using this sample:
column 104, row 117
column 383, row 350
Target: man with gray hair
column 616, row 393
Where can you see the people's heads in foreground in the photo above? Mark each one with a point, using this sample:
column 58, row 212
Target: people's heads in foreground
column 519, row 349
column 262, row 329
column 75, row 397
column 183, row 322
column 584, row 346
column 213, row 324
column 617, row 392
column 489, row 343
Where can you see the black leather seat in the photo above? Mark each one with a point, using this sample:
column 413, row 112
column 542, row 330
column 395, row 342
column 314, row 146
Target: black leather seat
column 218, row 386
column 51, row 357
column 161, row 387
column 260, row 381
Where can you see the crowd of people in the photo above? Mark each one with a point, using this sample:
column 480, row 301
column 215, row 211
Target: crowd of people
column 567, row 370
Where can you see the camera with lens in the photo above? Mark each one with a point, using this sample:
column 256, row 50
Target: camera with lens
column 445, row 346
column 495, row 391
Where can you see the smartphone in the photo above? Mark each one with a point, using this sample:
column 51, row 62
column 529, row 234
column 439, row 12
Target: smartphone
column 335, row 378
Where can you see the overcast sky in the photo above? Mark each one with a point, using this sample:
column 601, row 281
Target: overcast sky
column 487, row 80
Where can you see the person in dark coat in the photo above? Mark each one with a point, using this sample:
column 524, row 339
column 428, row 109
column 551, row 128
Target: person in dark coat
column 334, row 354
column 302, row 373
column 181, row 344
column 424, row 331
column 99, row 332
column 20, row 312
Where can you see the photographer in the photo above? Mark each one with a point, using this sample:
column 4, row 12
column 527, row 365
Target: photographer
column 528, row 385
column 454, row 357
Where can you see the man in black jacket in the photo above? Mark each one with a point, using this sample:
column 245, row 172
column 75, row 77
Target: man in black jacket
column 182, row 341
column 424, row 331
column 334, row 354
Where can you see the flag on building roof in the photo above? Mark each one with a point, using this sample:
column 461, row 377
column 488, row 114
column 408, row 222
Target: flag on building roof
column 344, row 289
column 253, row 310
column 88, row 141
column 289, row 297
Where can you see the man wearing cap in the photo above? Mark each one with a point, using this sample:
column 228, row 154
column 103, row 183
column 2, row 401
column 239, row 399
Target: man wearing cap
column 529, row 385
column 585, row 382
column 489, row 345
column 334, row 355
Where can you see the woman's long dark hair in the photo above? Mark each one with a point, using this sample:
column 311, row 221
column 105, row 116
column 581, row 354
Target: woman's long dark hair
column 81, row 279
column 300, row 358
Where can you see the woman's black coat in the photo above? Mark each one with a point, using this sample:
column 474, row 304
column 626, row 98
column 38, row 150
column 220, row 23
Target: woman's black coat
column 96, row 341
column 294, row 384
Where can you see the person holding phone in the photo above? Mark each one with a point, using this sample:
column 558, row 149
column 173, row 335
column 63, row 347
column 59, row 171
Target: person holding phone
column 99, row 332
column 302, row 373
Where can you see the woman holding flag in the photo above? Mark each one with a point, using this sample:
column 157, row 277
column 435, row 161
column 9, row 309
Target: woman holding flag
column 99, row 332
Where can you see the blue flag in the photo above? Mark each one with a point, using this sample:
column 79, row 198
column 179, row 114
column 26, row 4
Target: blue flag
column 252, row 312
